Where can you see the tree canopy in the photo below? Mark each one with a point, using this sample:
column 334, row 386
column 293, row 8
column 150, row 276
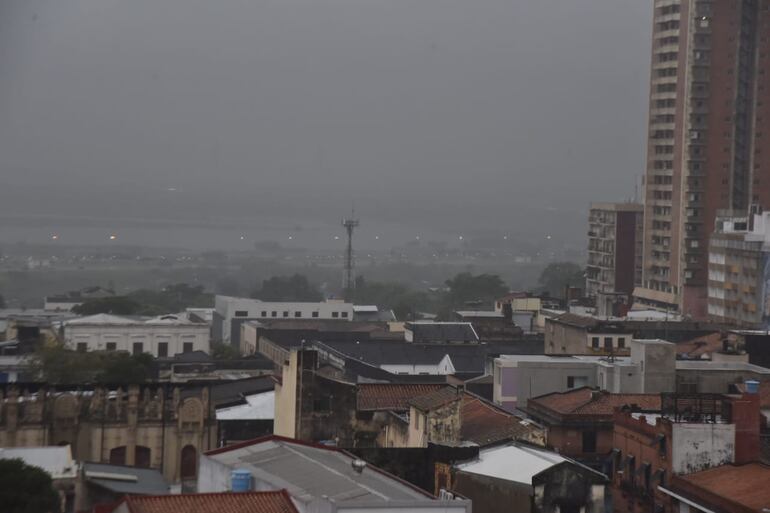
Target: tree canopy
column 59, row 365
column 173, row 298
column 288, row 288
column 558, row 275
column 405, row 302
column 26, row 489
column 467, row 288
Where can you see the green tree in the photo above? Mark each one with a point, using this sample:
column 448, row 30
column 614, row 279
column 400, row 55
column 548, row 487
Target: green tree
column 171, row 299
column 221, row 351
column 405, row 302
column 288, row 288
column 124, row 369
column 118, row 305
column 26, row 489
column 466, row 288
column 56, row 364
column 557, row 276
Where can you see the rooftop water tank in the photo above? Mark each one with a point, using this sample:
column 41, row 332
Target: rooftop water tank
column 752, row 386
column 240, row 480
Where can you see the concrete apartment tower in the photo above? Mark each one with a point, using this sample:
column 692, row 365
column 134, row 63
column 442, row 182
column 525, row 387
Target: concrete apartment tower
column 708, row 141
column 614, row 248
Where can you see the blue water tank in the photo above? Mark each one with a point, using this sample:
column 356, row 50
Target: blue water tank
column 752, row 386
column 240, row 480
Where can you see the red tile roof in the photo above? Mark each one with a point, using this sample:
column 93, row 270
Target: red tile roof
column 484, row 423
column 435, row 399
column 745, row 485
column 590, row 402
column 391, row 396
column 244, row 502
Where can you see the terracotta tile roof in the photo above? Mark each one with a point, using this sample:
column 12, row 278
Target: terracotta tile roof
column 244, row 502
column 484, row 423
column 391, row 396
column 587, row 401
column 744, row 485
column 435, row 399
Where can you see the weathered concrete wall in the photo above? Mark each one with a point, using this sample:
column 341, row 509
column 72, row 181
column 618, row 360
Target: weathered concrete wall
column 699, row 447
column 490, row 495
column 657, row 362
column 285, row 399
column 568, row 487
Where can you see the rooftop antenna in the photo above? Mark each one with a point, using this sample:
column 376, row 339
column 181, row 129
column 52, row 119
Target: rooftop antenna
column 349, row 280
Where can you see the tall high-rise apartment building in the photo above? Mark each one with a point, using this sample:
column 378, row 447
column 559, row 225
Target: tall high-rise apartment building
column 614, row 248
column 709, row 138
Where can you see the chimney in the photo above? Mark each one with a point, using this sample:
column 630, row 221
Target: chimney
column 746, row 417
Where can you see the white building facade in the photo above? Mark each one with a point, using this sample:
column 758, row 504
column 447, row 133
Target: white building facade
column 163, row 336
column 230, row 312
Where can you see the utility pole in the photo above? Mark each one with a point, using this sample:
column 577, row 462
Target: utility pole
column 349, row 280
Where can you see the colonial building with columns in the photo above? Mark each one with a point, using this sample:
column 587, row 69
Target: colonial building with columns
column 156, row 426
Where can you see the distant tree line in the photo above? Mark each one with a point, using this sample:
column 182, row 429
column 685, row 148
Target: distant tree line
column 174, row 298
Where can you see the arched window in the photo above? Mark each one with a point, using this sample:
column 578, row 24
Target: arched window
column 118, row 455
column 189, row 467
column 142, row 456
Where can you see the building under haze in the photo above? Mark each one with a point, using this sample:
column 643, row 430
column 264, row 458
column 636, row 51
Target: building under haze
column 739, row 271
column 709, row 131
column 614, row 248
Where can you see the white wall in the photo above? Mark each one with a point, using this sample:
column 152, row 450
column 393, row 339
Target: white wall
column 701, row 446
column 443, row 368
column 97, row 336
column 244, row 308
column 213, row 476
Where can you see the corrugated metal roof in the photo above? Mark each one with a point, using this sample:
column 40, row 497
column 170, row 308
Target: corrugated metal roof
column 257, row 407
column 512, row 463
column 309, row 472
column 147, row 481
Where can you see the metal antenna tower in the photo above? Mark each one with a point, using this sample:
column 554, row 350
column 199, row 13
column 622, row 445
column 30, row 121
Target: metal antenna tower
column 349, row 280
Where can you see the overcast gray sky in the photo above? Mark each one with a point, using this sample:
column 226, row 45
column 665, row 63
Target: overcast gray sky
column 430, row 112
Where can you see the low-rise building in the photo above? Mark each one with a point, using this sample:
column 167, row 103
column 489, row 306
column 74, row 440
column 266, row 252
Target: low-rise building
column 571, row 334
column 100, row 484
column 157, row 427
column 433, row 332
column 727, row 489
column 578, row 423
column 231, row 312
column 524, row 479
column 652, row 368
column 692, row 433
column 318, row 478
column 649, row 369
column 162, row 336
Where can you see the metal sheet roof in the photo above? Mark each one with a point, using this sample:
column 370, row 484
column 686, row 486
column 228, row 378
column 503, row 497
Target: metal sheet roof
column 310, row 472
column 124, row 480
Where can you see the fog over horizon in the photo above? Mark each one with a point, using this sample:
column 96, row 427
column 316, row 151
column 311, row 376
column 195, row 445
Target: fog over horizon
column 438, row 116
